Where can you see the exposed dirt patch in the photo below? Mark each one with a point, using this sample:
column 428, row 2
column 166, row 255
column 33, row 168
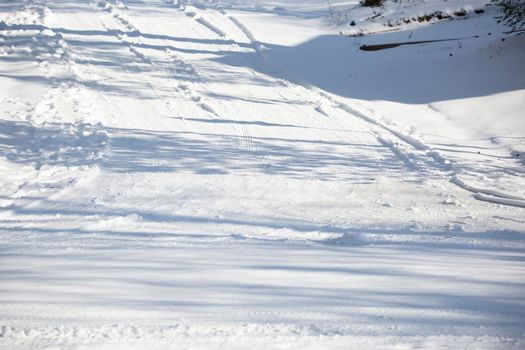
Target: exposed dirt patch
column 378, row 47
column 432, row 17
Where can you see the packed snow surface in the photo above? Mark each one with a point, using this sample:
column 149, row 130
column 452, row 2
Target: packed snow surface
column 239, row 174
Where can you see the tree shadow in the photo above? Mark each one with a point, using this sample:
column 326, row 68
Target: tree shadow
column 424, row 74
column 391, row 286
column 32, row 43
column 53, row 144
column 334, row 63
column 139, row 151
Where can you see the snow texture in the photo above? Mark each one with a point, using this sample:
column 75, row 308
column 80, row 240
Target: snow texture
column 227, row 174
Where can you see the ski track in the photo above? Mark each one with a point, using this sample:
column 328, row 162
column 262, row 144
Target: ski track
column 433, row 158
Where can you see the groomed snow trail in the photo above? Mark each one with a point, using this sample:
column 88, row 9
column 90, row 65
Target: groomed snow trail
column 168, row 183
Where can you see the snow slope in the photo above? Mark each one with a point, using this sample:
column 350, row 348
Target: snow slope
column 239, row 174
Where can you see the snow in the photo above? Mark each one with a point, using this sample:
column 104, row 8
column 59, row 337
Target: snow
column 239, row 174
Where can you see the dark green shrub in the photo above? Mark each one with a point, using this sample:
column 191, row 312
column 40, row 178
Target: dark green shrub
column 513, row 13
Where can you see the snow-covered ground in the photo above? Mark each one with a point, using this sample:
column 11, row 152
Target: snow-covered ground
column 239, row 174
